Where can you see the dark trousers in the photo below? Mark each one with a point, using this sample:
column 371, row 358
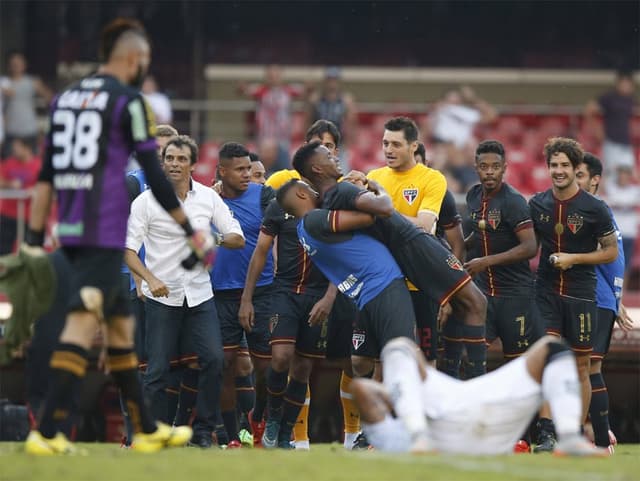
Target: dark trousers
column 173, row 331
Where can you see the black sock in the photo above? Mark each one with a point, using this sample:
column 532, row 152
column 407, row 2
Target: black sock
column 276, row 387
column 453, row 349
column 187, row 396
column 245, row 394
column 230, row 424
column 294, row 399
column 599, row 410
column 123, row 364
column 474, row 342
column 260, row 384
column 221, row 432
column 68, row 367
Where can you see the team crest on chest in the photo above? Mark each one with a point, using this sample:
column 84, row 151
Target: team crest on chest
column 358, row 339
column 493, row 218
column 454, row 263
column 574, row 222
column 410, row 194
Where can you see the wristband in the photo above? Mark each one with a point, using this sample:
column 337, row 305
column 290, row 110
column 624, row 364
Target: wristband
column 188, row 230
column 218, row 238
column 34, row 238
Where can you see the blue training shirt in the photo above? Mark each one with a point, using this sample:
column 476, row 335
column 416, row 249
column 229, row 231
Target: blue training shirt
column 231, row 265
column 359, row 265
column 610, row 277
column 142, row 182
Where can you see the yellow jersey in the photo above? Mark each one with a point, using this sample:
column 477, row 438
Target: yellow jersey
column 278, row 179
column 419, row 189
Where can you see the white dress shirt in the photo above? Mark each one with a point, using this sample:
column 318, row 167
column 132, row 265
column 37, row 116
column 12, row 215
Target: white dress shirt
column 166, row 245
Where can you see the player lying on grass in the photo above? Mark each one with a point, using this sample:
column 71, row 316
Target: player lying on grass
column 418, row 409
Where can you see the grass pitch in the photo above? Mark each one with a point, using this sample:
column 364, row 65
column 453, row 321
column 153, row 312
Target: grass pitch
column 324, row 462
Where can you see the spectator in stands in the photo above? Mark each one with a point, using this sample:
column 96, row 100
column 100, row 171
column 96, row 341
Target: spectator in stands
column 20, row 111
column 623, row 199
column 332, row 103
column 616, row 107
column 451, row 125
column 273, row 113
column 159, row 102
column 20, row 171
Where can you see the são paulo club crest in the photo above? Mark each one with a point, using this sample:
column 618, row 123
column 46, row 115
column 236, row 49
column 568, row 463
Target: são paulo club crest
column 454, row 263
column 273, row 322
column 410, row 194
column 358, row 339
column 493, row 218
column 574, row 222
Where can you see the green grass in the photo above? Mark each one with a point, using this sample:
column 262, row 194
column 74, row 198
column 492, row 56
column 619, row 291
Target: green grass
column 324, row 462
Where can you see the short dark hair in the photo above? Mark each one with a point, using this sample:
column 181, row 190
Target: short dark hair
column 321, row 127
column 624, row 74
column 594, row 166
column 284, row 190
column 421, row 151
column 231, row 150
column 183, row 141
column 253, row 157
column 490, row 147
column 165, row 130
column 302, row 156
column 113, row 31
column 563, row 145
column 408, row 127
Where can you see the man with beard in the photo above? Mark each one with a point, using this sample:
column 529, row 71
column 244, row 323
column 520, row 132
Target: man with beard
column 570, row 225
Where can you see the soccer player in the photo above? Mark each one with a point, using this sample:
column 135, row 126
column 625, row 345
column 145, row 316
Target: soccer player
column 570, row 224
column 335, row 244
column 95, row 125
column 609, row 285
column 419, row 409
column 248, row 202
column 343, row 314
column 417, row 192
column 257, row 169
column 501, row 243
column 422, row 258
column 323, row 131
column 301, row 303
column 179, row 303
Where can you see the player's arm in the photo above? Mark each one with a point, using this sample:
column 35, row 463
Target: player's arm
column 348, row 220
column 526, row 249
column 230, row 233
column 374, row 201
column 455, row 238
column 431, row 203
column 246, row 314
column 607, row 253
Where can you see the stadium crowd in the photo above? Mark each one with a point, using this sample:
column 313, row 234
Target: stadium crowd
column 239, row 284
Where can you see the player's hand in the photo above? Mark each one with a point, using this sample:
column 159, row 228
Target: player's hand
column 217, row 186
column 624, row 319
column 204, row 247
column 356, row 178
column 443, row 314
column 561, row 260
column 375, row 187
column 476, row 266
column 158, row 288
column 246, row 315
column 320, row 311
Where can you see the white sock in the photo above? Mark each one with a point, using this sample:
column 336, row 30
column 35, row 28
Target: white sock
column 349, row 439
column 402, row 380
column 561, row 388
column 303, row 445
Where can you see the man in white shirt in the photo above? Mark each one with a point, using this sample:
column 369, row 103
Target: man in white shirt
column 179, row 302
